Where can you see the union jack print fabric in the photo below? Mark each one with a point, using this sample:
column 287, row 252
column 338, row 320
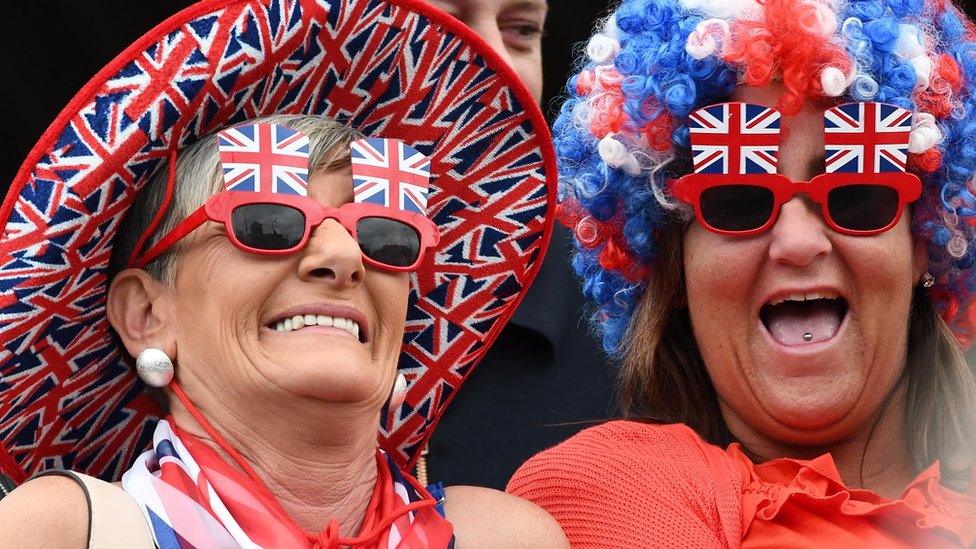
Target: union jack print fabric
column 735, row 138
column 390, row 173
column 68, row 395
column 866, row 138
column 264, row 157
column 191, row 498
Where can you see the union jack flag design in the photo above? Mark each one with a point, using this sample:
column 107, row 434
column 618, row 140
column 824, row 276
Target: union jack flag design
column 390, row 173
column 264, row 157
column 69, row 398
column 866, row 138
column 735, row 138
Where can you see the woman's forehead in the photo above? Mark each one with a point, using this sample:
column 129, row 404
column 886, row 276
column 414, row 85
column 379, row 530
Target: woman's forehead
column 801, row 150
column 332, row 187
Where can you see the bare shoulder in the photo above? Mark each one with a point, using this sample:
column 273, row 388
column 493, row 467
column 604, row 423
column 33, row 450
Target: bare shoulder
column 49, row 511
column 483, row 517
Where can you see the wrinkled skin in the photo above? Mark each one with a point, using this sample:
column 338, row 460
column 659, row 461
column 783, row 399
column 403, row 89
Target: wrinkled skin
column 217, row 318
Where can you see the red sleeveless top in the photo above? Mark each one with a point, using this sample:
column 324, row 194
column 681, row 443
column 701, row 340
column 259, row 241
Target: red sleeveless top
column 628, row 484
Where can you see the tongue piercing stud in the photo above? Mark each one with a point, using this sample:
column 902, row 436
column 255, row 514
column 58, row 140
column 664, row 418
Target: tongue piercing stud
column 807, row 336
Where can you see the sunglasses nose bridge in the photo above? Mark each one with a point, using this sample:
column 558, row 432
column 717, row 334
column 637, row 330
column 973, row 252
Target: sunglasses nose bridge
column 331, row 253
column 322, row 226
column 808, row 207
column 323, row 213
column 802, row 188
column 810, row 190
column 800, row 233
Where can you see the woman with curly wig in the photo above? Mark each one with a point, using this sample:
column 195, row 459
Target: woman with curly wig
column 774, row 208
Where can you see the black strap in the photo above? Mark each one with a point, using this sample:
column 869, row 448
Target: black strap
column 6, row 485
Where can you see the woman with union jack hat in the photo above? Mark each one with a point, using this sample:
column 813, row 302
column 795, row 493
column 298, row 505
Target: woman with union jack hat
column 774, row 207
column 299, row 224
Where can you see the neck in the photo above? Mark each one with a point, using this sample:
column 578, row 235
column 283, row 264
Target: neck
column 318, row 469
column 876, row 458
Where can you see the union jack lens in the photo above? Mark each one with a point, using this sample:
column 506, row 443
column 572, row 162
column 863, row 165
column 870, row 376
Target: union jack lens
column 280, row 227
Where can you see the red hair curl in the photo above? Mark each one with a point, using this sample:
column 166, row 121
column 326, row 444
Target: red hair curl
column 925, row 162
column 786, row 42
column 947, row 81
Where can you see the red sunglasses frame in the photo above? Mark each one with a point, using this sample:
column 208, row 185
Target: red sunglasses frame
column 690, row 187
column 220, row 206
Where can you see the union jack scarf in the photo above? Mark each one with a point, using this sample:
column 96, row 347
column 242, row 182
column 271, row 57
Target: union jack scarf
column 191, row 498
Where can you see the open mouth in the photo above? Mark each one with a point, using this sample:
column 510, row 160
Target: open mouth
column 309, row 321
column 801, row 319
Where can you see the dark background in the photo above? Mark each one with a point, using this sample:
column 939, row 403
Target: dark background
column 53, row 47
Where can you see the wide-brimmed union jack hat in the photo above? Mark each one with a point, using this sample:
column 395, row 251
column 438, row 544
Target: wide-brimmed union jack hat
column 390, row 68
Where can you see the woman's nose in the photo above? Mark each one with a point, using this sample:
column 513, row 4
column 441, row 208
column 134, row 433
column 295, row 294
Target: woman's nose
column 333, row 256
column 800, row 233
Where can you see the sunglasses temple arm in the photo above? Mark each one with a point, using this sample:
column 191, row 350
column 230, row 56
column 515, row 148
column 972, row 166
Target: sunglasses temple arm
column 185, row 227
column 161, row 212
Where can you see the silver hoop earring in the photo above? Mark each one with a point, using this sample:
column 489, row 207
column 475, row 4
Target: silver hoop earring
column 398, row 394
column 928, row 280
column 154, row 367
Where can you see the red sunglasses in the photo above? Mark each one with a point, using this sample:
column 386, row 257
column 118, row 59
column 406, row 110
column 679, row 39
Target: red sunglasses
column 269, row 223
column 858, row 204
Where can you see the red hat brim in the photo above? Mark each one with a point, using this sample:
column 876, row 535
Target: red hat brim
column 390, row 68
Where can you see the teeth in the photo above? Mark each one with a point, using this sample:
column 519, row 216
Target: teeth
column 298, row 322
column 826, row 294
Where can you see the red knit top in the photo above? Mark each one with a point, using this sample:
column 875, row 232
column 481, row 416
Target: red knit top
column 628, row 484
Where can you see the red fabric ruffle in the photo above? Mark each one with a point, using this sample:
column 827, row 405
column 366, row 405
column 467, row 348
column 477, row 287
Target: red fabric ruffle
column 786, row 500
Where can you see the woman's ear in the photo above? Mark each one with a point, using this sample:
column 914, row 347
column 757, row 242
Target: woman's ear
column 920, row 260
column 136, row 310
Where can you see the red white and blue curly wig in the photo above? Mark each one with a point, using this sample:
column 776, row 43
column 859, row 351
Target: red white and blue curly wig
column 622, row 136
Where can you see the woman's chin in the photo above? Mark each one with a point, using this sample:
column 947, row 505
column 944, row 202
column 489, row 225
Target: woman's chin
column 809, row 412
column 326, row 380
column 809, row 388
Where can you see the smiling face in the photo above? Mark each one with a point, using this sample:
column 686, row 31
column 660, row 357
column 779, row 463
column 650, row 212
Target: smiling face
column 786, row 363
column 513, row 28
column 341, row 323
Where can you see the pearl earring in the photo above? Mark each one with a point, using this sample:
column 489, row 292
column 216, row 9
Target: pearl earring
column 154, row 367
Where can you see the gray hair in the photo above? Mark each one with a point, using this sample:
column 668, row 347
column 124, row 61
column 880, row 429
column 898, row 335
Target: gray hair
column 198, row 178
